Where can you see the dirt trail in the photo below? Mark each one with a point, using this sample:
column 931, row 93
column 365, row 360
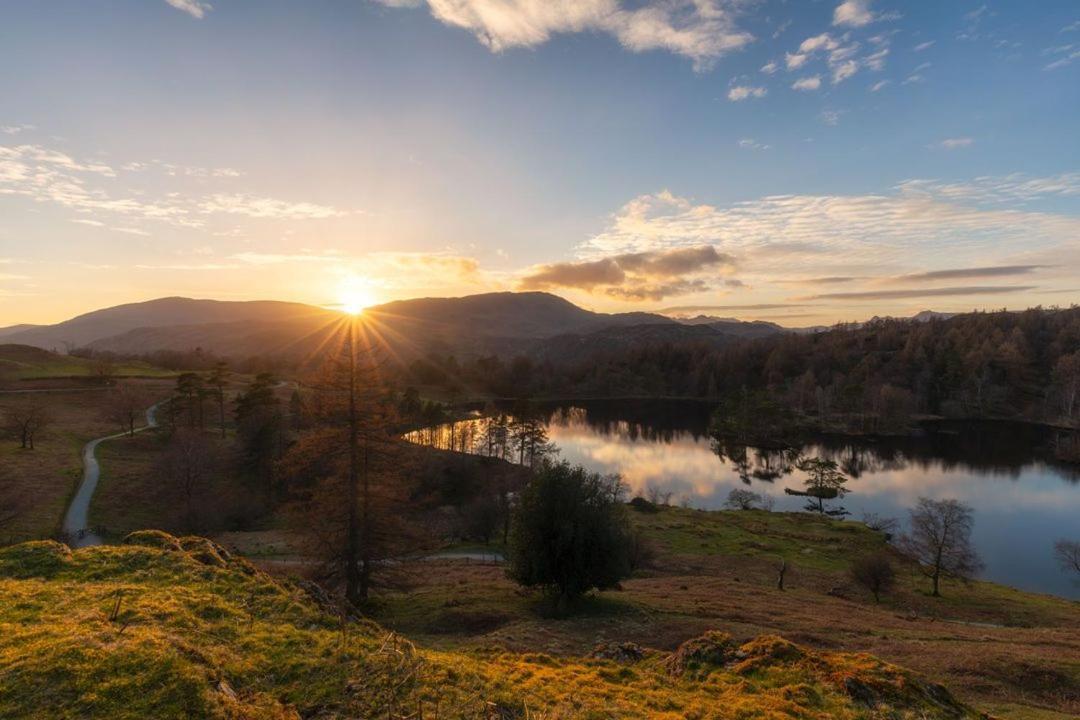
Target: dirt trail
column 75, row 521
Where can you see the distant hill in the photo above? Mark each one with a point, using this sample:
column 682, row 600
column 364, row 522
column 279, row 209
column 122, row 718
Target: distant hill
column 503, row 323
column 571, row 348
column 12, row 329
column 97, row 326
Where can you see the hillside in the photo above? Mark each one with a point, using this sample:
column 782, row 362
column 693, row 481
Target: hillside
column 24, row 362
column 169, row 628
column 94, row 328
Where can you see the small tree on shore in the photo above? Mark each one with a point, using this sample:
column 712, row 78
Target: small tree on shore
column 940, row 540
column 824, row 481
column 570, row 534
column 874, row 572
column 1067, row 553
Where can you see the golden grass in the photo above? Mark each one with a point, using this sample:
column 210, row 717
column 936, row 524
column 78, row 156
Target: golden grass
column 178, row 628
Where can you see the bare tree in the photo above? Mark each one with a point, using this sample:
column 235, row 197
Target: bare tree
column 126, row 406
column 874, row 572
column 1067, row 553
column 940, row 540
column 887, row 526
column 188, row 464
column 26, row 420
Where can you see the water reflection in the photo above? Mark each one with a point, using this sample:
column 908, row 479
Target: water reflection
column 1023, row 500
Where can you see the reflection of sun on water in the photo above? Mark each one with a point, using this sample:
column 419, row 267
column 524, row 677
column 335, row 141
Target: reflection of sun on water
column 354, row 294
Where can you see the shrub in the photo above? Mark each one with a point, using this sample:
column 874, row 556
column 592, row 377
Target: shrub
column 569, row 535
column 874, row 572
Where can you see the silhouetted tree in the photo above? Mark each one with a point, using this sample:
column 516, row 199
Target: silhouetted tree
column 216, row 381
column 940, row 540
column 188, row 465
column 824, row 481
column 260, row 427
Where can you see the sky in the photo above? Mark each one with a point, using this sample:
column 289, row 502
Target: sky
column 800, row 162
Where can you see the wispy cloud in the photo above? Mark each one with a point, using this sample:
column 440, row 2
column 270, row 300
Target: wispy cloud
column 955, row 143
column 752, row 144
column 924, row 46
column 969, row 273
column 742, row 92
column 194, row 8
column 812, row 82
column 702, row 30
column 921, row 293
column 263, row 207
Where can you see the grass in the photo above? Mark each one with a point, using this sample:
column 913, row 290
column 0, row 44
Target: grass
column 1000, row 649
column 22, row 362
column 169, row 628
column 46, row 477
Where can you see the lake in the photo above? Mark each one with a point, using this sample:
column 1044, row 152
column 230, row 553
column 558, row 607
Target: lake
column 1023, row 500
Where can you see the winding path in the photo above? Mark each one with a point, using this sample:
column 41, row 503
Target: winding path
column 75, row 521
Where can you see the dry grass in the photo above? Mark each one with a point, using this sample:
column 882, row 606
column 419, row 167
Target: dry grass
column 1004, row 650
column 47, row 476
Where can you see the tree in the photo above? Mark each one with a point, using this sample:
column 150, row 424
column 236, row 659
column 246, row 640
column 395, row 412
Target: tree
column 26, row 420
column 216, row 381
column 569, row 535
column 940, row 540
column 824, row 481
column 874, row 572
column 345, row 472
column 1067, row 553
column 259, row 427
column 189, row 397
column 742, row 499
column 126, row 405
column 188, row 464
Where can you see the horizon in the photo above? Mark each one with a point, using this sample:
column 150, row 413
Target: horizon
column 807, row 165
column 674, row 313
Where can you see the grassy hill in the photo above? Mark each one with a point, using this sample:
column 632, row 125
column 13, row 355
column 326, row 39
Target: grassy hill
column 23, row 362
column 168, row 628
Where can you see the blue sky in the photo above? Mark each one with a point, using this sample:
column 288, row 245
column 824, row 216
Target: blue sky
column 800, row 161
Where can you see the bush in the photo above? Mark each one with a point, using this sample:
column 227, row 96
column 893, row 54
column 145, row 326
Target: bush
column 570, row 534
column 874, row 572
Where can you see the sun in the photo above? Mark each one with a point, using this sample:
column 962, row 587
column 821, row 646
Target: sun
column 355, row 294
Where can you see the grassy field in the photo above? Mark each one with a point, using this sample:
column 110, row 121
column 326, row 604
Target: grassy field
column 1013, row 653
column 47, row 476
column 22, row 362
column 169, row 628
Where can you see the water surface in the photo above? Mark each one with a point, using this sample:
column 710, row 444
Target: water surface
column 1023, row 500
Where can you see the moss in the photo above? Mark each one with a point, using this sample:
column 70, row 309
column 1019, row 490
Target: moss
column 42, row 558
column 153, row 539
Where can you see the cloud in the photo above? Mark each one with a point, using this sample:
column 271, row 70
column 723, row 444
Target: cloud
column 263, row 207
column 807, row 83
column 770, row 67
column 923, row 46
column 194, row 8
column 831, row 117
column 798, row 236
column 923, row 293
column 752, row 144
column 955, row 143
column 650, row 275
column 727, row 308
column 15, row 129
column 843, row 71
column 1017, row 188
column 968, row 273
column 854, row 13
column 1065, row 55
column 742, row 92
column 702, row 30
column 878, row 85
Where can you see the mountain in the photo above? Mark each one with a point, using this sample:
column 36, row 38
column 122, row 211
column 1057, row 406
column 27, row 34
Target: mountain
column 502, row 323
column 736, row 327
column 95, row 328
column 13, row 329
